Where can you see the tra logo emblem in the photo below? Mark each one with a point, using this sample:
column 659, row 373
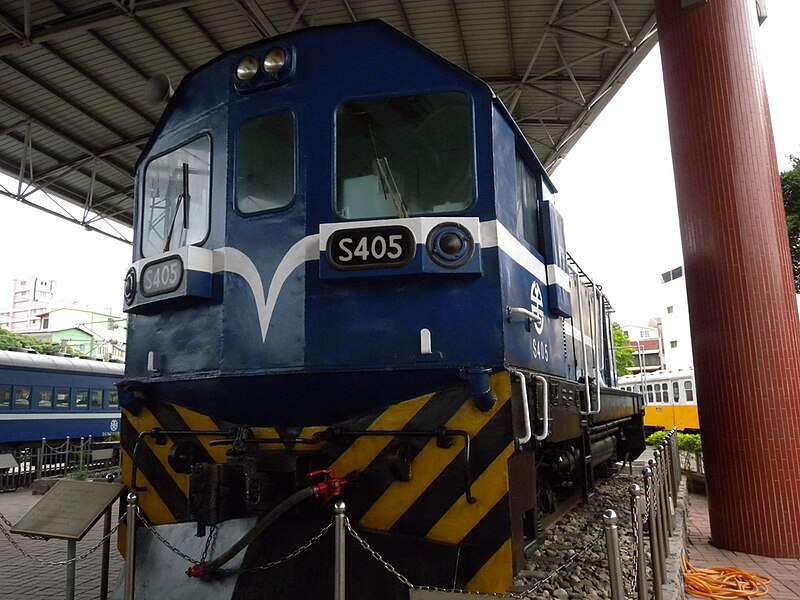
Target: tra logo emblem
column 113, row 425
column 537, row 306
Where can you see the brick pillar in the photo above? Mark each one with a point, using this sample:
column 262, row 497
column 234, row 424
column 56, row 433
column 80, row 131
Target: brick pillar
column 742, row 309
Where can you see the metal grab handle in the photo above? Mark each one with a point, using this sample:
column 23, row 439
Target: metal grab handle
column 518, row 310
column 545, row 411
column 526, row 415
column 598, row 337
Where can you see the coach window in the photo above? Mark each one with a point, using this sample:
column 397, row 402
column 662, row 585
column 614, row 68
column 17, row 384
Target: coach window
column 650, row 396
column 687, row 385
column 176, row 198
column 265, row 163
column 62, row 397
column 404, row 156
column 5, row 396
column 82, row 399
column 22, row 397
column 45, row 398
column 676, row 392
column 527, row 205
column 113, row 399
column 665, row 393
column 97, row 399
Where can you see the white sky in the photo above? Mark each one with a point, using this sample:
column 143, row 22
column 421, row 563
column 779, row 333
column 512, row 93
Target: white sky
column 616, row 187
column 616, row 192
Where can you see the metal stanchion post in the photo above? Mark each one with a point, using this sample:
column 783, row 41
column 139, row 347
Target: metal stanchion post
column 66, row 457
column 40, row 460
column 658, row 512
column 669, row 484
column 637, row 512
column 655, row 543
column 106, row 548
column 676, row 455
column 80, row 455
column 339, row 544
column 130, row 545
column 71, row 553
column 610, row 520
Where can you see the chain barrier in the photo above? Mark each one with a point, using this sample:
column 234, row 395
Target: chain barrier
column 513, row 595
column 209, row 544
column 633, row 582
column 7, row 534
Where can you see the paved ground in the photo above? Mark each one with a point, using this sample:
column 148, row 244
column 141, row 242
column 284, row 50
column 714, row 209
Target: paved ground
column 785, row 572
column 25, row 579
column 22, row 578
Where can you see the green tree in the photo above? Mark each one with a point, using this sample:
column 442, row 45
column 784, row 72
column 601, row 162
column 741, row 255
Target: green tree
column 622, row 350
column 790, row 183
column 17, row 341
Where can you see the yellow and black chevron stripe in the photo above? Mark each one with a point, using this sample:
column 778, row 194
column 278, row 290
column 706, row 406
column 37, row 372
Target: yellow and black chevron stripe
column 431, row 505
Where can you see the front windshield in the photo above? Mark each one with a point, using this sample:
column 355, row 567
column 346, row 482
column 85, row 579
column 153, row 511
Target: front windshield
column 176, row 198
column 404, row 156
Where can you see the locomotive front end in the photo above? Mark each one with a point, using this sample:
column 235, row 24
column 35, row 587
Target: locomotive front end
column 339, row 236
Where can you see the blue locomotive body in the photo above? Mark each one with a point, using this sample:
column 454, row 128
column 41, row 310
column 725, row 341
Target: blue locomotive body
column 346, row 262
column 295, row 333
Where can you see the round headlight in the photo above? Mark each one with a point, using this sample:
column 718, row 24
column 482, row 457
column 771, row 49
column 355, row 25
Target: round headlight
column 247, row 68
column 130, row 286
column 450, row 245
column 274, row 60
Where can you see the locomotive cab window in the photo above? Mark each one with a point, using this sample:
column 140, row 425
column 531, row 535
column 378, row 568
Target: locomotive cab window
column 527, row 205
column 265, row 164
column 176, row 198
column 404, row 156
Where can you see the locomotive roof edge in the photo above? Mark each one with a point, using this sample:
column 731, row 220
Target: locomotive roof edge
column 376, row 24
column 26, row 360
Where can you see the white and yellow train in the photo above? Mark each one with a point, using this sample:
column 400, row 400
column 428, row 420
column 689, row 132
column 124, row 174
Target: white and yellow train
column 670, row 396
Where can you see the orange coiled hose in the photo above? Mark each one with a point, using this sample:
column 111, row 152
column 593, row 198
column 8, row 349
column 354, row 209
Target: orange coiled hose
column 726, row 583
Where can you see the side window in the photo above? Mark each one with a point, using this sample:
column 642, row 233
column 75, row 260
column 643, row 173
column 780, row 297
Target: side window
column 82, row 399
column 5, row 396
column 46, row 398
column 650, row 397
column 527, row 205
column 265, row 169
column 113, row 399
column 62, row 397
column 22, row 397
column 664, row 392
column 687, row 385
column 171, row 217
column 676, row 392
column 404, row 156
column 96, row 399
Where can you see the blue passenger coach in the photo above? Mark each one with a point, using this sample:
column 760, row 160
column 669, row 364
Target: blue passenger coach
column 347, row 263
column 56, row 397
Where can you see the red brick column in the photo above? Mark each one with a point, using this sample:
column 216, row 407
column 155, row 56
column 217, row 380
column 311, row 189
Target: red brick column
column 745, row 330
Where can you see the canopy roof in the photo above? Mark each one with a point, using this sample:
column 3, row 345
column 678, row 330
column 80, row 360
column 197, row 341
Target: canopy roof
column 74, row 116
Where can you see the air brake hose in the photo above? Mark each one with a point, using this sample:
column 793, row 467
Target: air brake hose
column 264, row 522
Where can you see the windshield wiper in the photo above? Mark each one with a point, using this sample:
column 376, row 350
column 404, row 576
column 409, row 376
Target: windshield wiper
column 390, row 188
column 183, row 198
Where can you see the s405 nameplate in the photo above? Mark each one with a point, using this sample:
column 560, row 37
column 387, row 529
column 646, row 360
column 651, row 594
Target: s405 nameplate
column 371, row 248
column 162, row 276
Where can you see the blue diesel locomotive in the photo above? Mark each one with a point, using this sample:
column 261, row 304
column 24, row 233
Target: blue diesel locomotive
column 349, row 281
